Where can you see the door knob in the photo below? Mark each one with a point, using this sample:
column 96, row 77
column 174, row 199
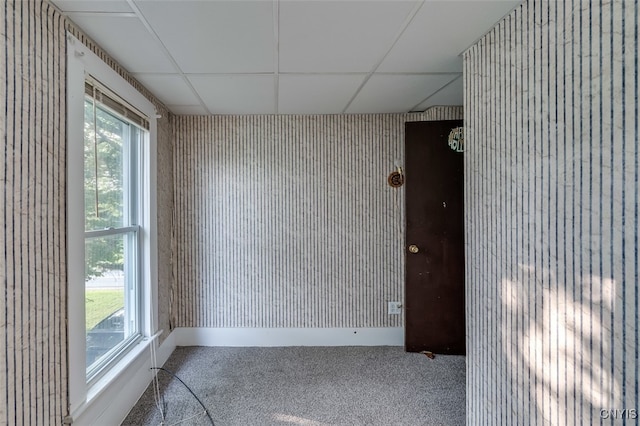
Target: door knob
column 414, row 248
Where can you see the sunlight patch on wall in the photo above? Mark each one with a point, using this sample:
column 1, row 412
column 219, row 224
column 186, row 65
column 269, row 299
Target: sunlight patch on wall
column 547, row 348
column 551, row 215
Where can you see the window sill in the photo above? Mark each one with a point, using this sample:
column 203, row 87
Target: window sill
column 98, row 395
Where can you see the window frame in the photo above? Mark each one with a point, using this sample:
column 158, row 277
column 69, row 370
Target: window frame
column 129, row 230
column 81, row 62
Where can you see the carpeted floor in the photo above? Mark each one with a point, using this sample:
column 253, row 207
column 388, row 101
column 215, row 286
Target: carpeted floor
column 307, row 386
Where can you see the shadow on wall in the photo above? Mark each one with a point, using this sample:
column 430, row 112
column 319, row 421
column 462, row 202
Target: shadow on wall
column 556, row 345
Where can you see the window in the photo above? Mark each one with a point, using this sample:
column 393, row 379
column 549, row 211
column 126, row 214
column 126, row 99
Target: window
column 113, row 137
column 111, row 227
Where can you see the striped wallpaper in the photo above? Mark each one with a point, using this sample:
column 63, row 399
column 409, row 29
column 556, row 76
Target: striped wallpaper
column 33, row 358
column 551, row 169
column 288, row 221
column 32, row 241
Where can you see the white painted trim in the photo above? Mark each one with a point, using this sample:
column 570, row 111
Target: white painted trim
column 75, row 234
column 80, row 62
column 112, row 403
column 289, row 336
column 90, row 63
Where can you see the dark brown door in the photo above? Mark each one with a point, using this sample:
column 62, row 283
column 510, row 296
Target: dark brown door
column 434, row 288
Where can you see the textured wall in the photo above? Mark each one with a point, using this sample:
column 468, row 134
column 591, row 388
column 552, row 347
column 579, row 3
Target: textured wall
column 165, row 221
column 551, row 117
column 33, row 354
column 288, row 221
column 33, row 358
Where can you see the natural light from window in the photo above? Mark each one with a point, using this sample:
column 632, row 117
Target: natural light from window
column 111, row 212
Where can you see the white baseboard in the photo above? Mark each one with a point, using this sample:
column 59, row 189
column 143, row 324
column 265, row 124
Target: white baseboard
column 242, row 337
column 116, row 399
column 113, row 403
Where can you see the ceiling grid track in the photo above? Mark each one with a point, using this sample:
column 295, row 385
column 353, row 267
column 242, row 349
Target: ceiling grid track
column 348, row 57
column 404, row 26
column 276, row 53
column 109, row 14
column 456, row 78
column 155, row 36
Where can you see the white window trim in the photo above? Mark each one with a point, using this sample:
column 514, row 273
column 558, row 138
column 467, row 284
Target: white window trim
column 81, row 62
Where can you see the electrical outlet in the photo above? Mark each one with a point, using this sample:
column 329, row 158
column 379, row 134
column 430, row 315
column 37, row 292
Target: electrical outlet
column 394, row 308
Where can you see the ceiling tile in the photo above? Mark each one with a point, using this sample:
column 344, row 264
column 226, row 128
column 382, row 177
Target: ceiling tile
column 449, row 95
column 170, row 89
column 93, row 5
column 440, row 31
column 316, row 94
column 215, row 36
column 338, row 36
column 236, row 94
column 187, row 109
column 127, row 41
column 396, row 93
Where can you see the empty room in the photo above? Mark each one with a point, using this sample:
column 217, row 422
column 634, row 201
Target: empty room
column 319, row 212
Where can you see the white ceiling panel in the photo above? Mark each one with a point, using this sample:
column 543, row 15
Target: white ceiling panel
column 316, row 53
column 215, row 36
column 171, row 88
column 236, row 94
column 126, row 40
column 440, row 31
column 452, row 94
column 396, row 93
column 93, row 5
column 316, row 94
column 338, row 36
column 187, row 109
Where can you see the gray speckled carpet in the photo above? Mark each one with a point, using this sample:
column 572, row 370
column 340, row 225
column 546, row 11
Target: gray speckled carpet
column 307, row 386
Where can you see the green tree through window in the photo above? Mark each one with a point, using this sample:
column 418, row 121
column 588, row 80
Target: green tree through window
column 111, row 155
column 103, row 192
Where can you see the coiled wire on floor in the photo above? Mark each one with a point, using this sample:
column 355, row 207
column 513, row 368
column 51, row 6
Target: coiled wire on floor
column 188, row 388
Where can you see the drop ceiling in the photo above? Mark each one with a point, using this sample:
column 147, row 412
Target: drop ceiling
column 291, row 56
